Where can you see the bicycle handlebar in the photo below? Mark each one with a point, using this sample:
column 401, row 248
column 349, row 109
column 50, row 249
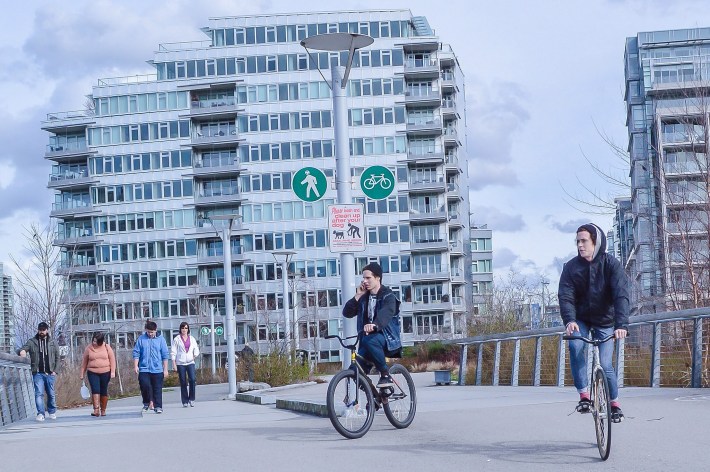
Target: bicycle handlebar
column 342, row 340
column 596, row 342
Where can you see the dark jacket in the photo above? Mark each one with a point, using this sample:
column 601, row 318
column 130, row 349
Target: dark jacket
column 386, row 315
column 595, row 292
column 32, row 349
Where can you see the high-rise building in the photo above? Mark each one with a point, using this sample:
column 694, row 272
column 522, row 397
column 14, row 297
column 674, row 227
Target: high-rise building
column 667, row 97
column 7, row 331
column 481, row 268
column 221, row 127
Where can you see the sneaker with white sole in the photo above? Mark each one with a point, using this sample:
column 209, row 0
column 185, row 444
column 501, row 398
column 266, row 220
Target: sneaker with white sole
column 40, row 418
column 52, row 416
column 192, row 403
column 158, row 410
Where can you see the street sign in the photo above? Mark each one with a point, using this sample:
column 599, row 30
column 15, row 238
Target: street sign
column 377, row 182
column 205, row 330
column 309, row 184
column 346, row 228
column 219, row 330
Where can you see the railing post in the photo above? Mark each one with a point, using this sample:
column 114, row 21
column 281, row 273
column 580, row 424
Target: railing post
column 538, row 361
column 620, row 344
column 656, row 356
column 462, row 364
column 561, row 361
column 697, row 361
column 479, row 365
column 516, row 364
column 496, row 365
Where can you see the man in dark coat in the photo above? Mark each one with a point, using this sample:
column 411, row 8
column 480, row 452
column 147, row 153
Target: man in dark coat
column 594, row 294
column 377, row 311
column 44, row 357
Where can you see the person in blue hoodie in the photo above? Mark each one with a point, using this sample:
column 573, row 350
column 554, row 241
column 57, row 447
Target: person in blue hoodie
column 150, row 361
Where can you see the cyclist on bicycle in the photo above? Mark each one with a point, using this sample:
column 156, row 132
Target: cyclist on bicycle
column 593, row 293
column 377, row 311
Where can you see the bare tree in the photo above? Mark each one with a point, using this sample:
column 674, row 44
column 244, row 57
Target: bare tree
column 38, row 290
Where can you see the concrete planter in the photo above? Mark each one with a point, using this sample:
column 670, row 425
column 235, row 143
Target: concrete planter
column 442, row 377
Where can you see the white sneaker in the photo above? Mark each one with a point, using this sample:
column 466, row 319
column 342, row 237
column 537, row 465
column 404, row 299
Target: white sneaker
column 52, row 416
column 40, row 418
column 192, row 403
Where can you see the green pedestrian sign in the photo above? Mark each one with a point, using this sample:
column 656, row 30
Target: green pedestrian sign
column 219, row 330
column 377, row 182
column 309, row 184
column 205, row 330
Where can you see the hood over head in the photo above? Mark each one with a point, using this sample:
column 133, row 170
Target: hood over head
column 598, row 237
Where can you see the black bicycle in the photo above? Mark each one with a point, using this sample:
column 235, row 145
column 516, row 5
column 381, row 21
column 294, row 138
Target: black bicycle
column 353, row 399
column 599, row 393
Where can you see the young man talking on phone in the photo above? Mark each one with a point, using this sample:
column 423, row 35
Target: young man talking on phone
column 377, row 311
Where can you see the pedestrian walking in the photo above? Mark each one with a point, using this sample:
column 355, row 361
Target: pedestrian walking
column 99, row 365
column 150, row 361
column 183, row 351
column 44, row 358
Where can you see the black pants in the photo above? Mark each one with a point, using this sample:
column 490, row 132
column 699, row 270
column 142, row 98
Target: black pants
column 99, row 383
column 151, row 388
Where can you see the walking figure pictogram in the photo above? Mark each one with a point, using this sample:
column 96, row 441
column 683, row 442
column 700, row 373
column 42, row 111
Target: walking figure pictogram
column 311, row 185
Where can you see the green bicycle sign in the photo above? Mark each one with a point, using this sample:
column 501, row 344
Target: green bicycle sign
column 377, row 182
column 309, row 184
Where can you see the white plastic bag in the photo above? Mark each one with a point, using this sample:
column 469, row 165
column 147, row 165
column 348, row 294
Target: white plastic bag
column 85, row 394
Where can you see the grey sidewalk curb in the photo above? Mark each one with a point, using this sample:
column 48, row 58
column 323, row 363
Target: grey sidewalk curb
column 302, row 406
column 266, row 397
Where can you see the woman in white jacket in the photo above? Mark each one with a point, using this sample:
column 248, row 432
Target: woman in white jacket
column 183, row 351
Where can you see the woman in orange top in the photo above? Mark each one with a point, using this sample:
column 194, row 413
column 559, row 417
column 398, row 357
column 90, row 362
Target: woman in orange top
column 100, row 364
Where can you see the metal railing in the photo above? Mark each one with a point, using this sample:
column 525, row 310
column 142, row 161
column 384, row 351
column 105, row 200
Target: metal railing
column 670, row 349
column 16, row 389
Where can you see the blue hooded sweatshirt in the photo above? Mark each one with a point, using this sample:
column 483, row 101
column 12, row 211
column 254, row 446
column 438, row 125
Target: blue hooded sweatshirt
column 151, row 352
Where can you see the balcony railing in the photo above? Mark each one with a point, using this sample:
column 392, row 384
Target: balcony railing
column 67, row 148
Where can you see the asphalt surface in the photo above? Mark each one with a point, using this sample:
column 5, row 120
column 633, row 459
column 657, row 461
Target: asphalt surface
column 456, row 428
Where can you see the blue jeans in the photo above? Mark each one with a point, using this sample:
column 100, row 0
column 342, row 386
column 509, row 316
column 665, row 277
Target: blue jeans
column 99, row 382
column 44, row 382
column 151, row 388
column 372, row 348
column 578, row 359
column 186, row 373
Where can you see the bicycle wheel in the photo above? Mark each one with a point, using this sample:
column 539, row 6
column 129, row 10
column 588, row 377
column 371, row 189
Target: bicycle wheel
column 401, row 406
column 602, row 414
column 350, row 414
column 369, row 184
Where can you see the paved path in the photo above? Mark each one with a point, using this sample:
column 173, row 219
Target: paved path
column 456, row 428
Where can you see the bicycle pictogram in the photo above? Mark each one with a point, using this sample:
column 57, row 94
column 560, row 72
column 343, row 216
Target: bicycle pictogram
column 374, row 180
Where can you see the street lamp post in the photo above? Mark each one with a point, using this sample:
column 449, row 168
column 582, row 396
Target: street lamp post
column 284, row 257
column 343, row 181
column 226, row 237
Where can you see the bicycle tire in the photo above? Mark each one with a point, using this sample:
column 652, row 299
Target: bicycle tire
column 369, row 184
column 385, row 183
column 401, row 406
column 602, row 414
column 350, row 418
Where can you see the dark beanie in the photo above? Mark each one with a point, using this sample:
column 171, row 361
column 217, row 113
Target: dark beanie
column 375, row 268
column 42, row 326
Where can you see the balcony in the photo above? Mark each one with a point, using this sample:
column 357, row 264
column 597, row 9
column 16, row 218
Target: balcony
column 433, row 305
column 70, row 179
column 422, row 97
column 456, row 247
column 453, row 191
column 430, row 272
column 212, row 109
column 434, row 155
column 432, row 184
column 218, row 197
column 421, row 68
column 216, row 167
column 68, row 121
column 66, row 152
column 455, row 219
column 72, row 208
column 448, row 109
column 451, row 137
column 223, row 138
column 427, row 245
column 429, row 126
column 457, row 275
column 204, row 229
column 76, row 237
column 448, row 81
column 204, row 258
column 428, row 214
column 684, row 168
column 204, row 289
column 81, row 294
column 451, row 162
column 78, row 266
column 687, row 227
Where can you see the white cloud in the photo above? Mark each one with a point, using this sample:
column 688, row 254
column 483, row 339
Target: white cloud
column 7, row 174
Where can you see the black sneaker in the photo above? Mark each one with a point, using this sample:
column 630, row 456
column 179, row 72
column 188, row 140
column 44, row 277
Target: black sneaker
column 385, row 381
column 617, row 416
column 146, row 407
column 584, row 405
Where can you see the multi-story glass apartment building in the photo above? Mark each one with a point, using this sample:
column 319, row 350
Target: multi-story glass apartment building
column 667, row 95
column 7, row 331
column 220, row 128
column 481, row 268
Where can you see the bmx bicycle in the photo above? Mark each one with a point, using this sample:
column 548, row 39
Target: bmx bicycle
column 599, row 394
column 353, row 399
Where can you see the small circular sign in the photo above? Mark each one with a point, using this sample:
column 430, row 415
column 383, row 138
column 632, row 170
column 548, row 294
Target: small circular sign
column 309, row 184
column 377, row 182
column 205, row 330
column 219, row 330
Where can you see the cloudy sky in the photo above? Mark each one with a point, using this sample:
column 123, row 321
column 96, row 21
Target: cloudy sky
column 544, row 83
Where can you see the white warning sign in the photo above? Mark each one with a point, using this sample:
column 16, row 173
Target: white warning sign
column 346, row 228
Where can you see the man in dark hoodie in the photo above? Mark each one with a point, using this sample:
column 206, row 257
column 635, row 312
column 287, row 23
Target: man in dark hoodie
column 593, row 293
column 377, row 311
column 44, row 358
